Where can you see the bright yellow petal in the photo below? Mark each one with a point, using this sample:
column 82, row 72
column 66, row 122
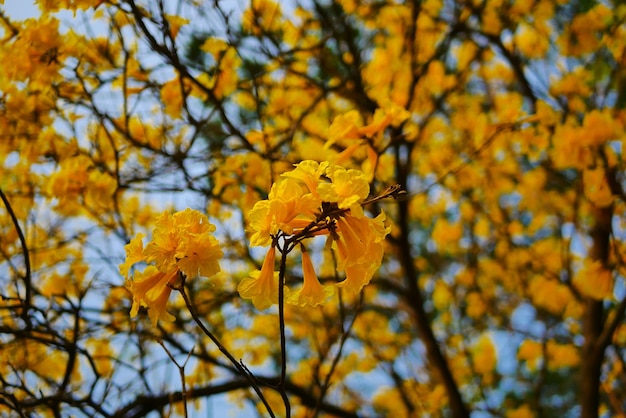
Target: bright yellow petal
column 134, row 254
column 262, row 286
column 200, row 257
column 150, row 289
column 312, row 293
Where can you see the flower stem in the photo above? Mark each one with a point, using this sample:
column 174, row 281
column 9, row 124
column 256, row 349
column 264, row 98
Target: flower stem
column 281, row 319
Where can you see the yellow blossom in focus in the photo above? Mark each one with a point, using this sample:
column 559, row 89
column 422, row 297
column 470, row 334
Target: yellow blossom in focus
column 151, row 288
column 262, row 286
column 308, row 172
column 368, row 234
column 289, row 206
column 134, row 253
column 312, row 292
column 316, row 199
column 347, row 188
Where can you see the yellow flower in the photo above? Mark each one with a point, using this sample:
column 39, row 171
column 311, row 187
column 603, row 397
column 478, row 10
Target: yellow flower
column 162, row 248
column 175, row 23
column 215, row 47
column 312, row 292
column 446, row 234
column 596, row 187
column 523, row 411
column 260, row 223
column 180, row 244
column 531, row 352
column 345, row 126
column 348, row 188
column 352, row 242
column 309, row 173
column 99, row 189
column 316, row 199
column 484, row 355
column 262, row 286
column 199, row 256
column 134, row 253
column 262, row 14
column 289, row 206
column 192, row 222
column 359, row 244
column 151, row 289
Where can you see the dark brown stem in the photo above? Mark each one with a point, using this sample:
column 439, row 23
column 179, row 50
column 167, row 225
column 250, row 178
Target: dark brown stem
column 593, row 320
column 181, row 371
column 415, row 299
column 283, row 341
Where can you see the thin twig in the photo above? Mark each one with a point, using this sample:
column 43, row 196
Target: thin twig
column 243, row 371
column 344, row 337
column 181, row 371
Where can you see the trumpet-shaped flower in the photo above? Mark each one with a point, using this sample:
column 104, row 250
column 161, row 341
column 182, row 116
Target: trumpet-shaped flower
column 260, row 223
column 180, row 245
column 312, row 292
column 316, row 199
column 290, row 206
column 262, row 286
column 359, row 243
column 198, row 256
column 151, row 288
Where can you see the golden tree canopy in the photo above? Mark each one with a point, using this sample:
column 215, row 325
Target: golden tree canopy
column 313, row 208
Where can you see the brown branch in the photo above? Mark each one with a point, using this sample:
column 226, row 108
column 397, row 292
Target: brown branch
column 28, row 276
column 181, row 372
column 415, row 300
column 283, row 340
column 593, row 320
column 144, row 404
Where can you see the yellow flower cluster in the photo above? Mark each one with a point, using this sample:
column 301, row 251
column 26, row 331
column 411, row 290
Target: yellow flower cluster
column 181, row 244
column 311, row 200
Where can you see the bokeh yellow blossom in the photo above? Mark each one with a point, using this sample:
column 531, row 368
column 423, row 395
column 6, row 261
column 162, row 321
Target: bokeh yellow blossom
column 181, row 245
